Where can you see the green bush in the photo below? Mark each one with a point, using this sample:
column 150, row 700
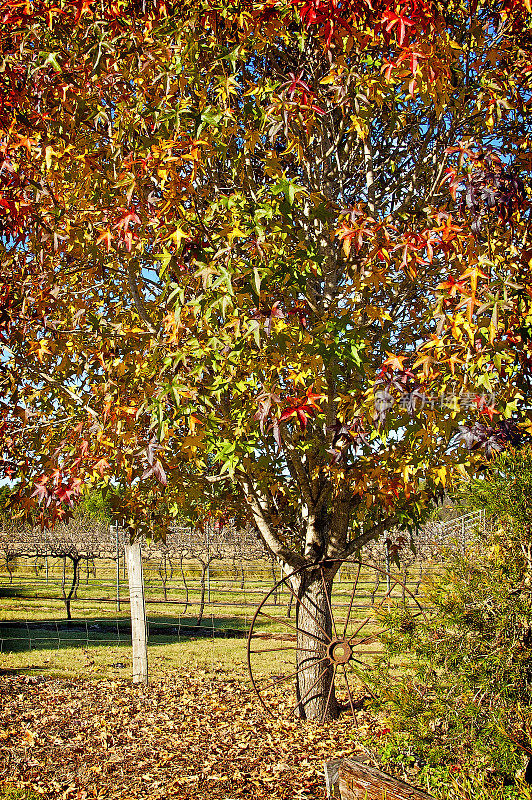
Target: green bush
column 461, row 712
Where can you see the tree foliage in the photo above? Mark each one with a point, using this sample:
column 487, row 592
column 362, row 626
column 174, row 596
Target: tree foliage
column 282, row 245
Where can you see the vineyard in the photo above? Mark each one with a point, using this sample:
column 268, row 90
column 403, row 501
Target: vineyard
column 197, row 584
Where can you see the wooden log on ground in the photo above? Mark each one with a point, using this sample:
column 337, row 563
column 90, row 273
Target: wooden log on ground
column 353, row 780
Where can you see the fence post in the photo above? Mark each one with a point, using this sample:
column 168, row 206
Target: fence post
column 208, row 563
column 117, row 570
column 138, row 613
column 388, row 565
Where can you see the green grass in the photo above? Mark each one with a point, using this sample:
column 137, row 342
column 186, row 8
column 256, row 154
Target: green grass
column 109, row 661
column 11, row 793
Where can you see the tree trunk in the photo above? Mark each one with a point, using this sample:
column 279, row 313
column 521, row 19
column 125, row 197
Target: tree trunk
column 274, row 579
column 315, row 678
column 164, row 576
column 375, row 589
column 76, row 584
column 289, row 606
column 419, row 580
column 73, row 586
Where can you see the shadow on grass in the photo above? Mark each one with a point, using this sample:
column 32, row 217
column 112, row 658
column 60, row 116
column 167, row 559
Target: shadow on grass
column 14, row 591
column 19, row 635
column 19, row 671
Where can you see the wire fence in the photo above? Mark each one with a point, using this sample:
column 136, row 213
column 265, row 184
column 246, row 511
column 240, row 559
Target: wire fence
column 186, row 598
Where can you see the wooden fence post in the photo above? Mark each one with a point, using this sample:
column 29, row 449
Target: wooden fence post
column 138, row 613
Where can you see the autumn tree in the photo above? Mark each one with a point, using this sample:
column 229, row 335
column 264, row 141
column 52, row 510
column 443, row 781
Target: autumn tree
column 276, row 246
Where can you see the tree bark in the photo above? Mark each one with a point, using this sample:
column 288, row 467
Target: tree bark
column 242, row 575
column 274, row 579
column 184, row 582
column 9, row 559
column 289, row 605
column 164, row 576
column 76, row 582
column 315, row 678
column 73, row 586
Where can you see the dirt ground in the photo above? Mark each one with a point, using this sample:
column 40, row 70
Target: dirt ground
column 198, row 734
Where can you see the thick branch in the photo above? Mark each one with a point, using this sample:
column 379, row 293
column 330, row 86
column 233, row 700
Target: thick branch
column 139, row 305
column 259, row 506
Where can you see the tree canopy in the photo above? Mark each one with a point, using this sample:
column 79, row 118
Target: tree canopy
column 278, row 247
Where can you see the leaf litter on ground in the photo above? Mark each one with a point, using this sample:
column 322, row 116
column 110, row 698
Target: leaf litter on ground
column 194, row 734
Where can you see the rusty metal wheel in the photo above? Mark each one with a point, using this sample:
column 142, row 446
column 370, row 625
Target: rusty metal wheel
column 362, row 602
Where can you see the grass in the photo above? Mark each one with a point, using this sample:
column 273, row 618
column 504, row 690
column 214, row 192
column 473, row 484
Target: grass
column 115, row 661
column 13, row 793
column 98, row 638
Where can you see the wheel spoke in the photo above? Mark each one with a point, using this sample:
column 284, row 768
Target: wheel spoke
column 331, row 687
column 362, row 663
column 375, row 608
column 289, row 625
column 328, row 601
column 293, row 674
column 352, row 598
column 362, row 624
column 369, row 638
column 350, row 696
column 355, row 672
column 277, row 649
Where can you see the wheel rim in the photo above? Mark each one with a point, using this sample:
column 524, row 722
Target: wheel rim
column 359, row 604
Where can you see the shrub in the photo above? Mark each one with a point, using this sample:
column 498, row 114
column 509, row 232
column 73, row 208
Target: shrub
column 462, row 711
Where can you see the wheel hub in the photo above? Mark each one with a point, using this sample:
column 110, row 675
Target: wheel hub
column 340, row 651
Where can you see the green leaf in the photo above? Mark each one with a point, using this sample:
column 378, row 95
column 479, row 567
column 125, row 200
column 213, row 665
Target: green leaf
column 256, row 281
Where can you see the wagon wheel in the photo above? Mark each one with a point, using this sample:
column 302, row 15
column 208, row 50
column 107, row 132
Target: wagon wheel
column 362, row 603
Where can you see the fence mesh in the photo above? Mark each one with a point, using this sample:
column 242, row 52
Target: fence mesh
column 194, row 589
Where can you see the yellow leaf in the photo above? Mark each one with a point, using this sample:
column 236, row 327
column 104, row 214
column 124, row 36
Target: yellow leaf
column 29, row 738
column 442, row 475
column 177, row 236
column 40, row 349
column 360, row 127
